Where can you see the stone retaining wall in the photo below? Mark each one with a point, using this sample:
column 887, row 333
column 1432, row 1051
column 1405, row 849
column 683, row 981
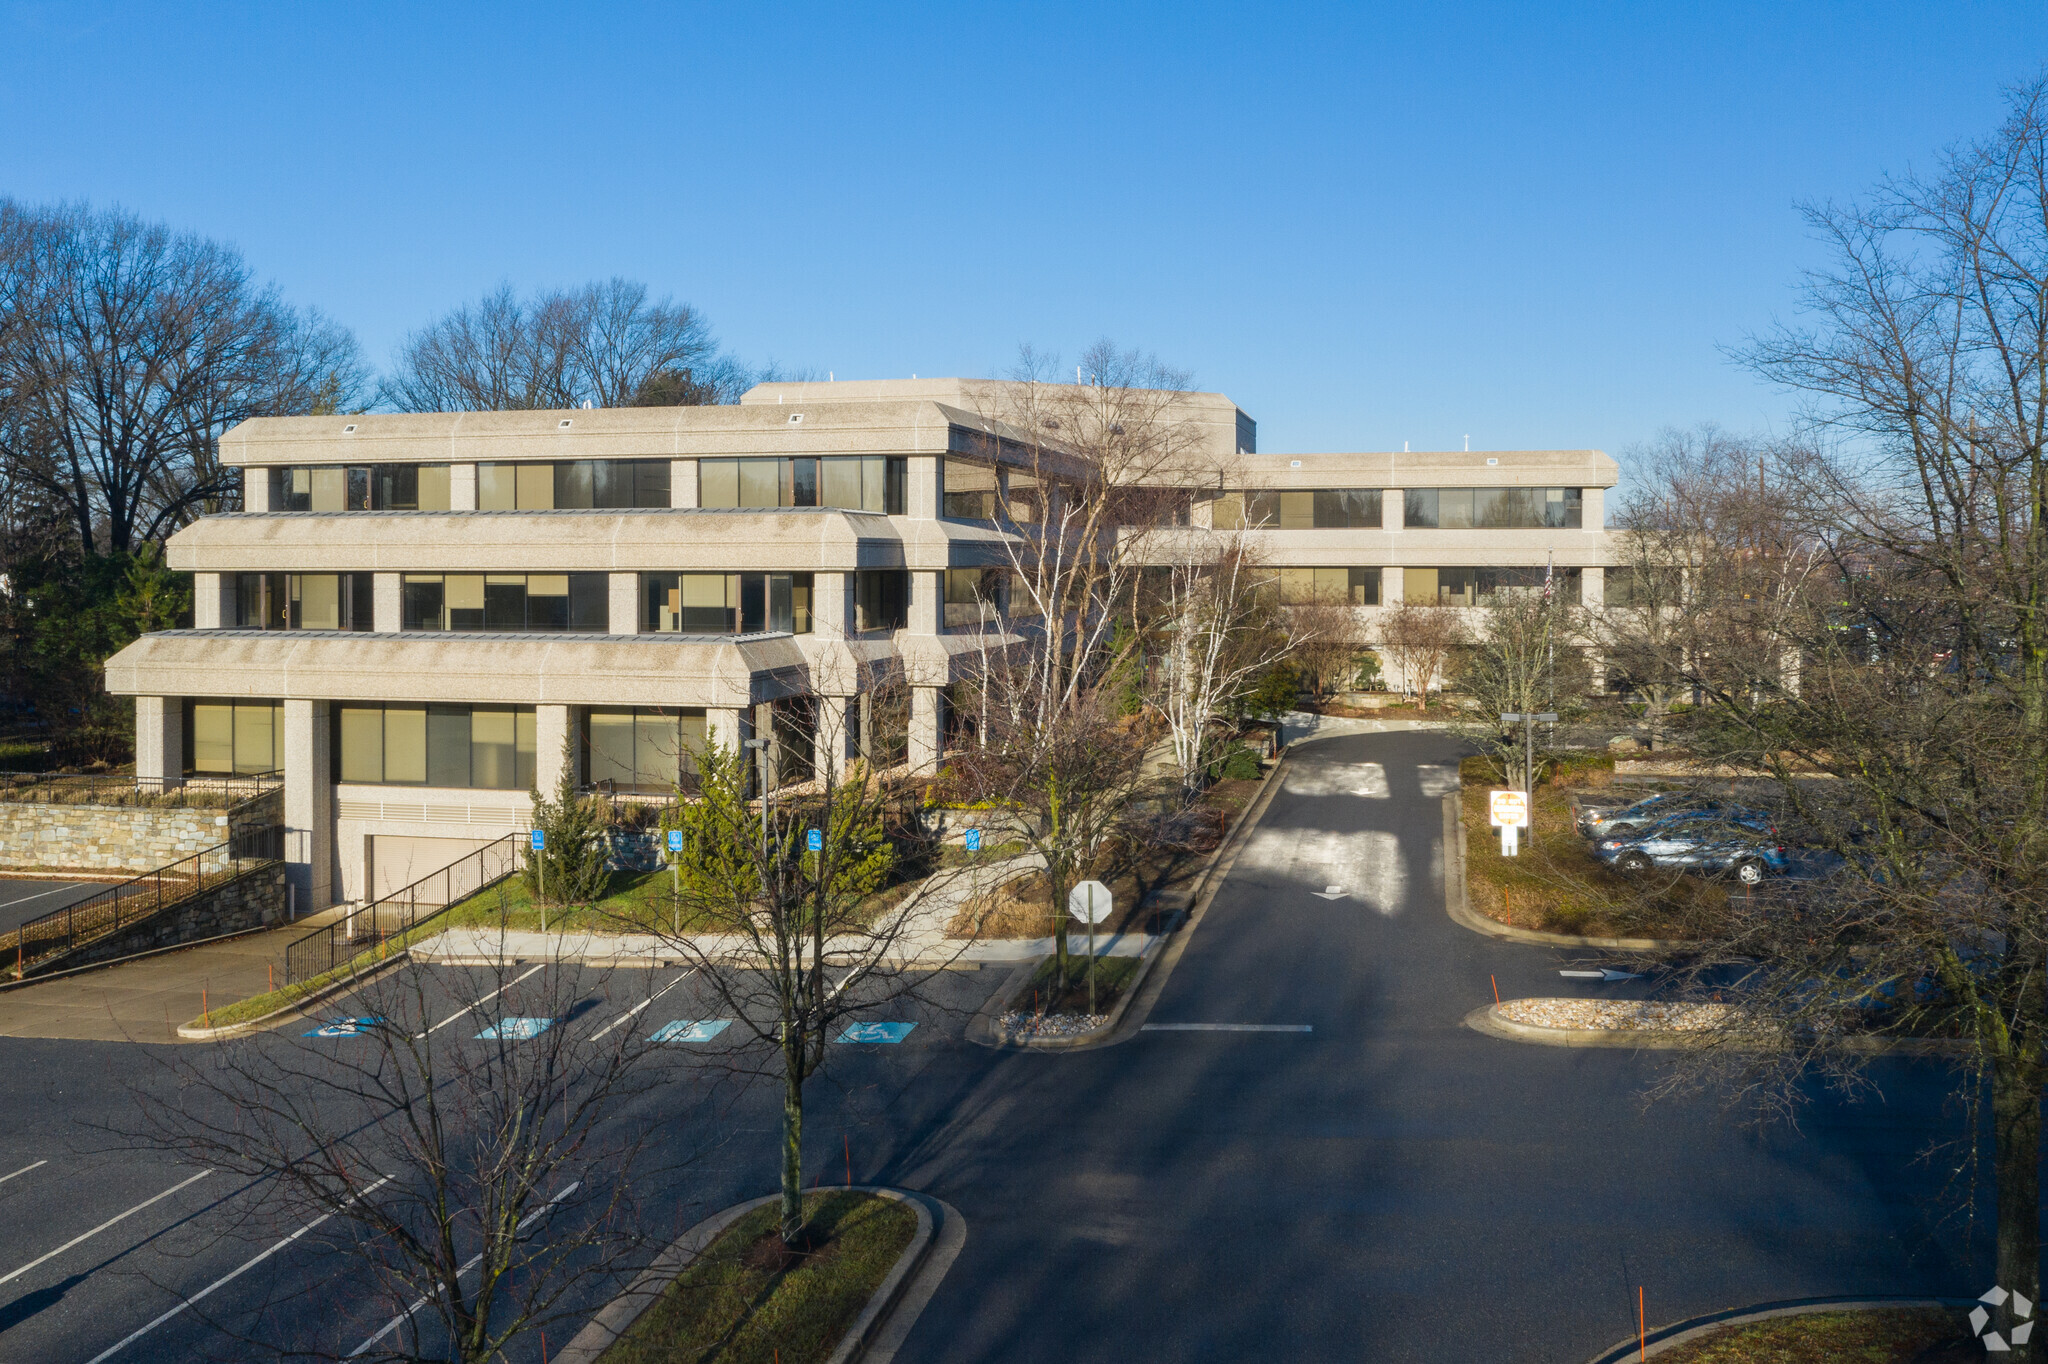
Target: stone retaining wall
column 121, row 838
column 255, row 899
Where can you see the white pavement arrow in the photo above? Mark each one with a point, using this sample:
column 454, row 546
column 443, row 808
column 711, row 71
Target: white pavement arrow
column 1330, row 893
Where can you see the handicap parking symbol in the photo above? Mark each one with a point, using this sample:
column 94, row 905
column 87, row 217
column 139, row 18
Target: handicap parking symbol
column 972, row 840
column 691, row 1030
column 876, row 1032
column 345, row 1027
column 515, row 1030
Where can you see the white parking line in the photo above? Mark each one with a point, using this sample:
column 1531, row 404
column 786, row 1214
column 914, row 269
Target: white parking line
column 104, row 1225
column 476, row 1004
column 471, row 1263
column 53, row 890
column 23, row 1170
column 628, row 1016
column 1226, row 1027
column 231, row 1275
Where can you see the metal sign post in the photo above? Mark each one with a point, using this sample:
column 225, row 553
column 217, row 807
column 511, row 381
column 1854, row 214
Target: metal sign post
column 675, row 871
column 540, row 872
column 1527, row 720
column 1090, row 903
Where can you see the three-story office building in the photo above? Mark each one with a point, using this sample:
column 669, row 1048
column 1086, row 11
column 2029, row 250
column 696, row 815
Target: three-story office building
column 420, row 618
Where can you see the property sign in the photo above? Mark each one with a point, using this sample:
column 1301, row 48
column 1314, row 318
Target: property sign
column 1508, row 809
column 1089, row 902
column 540, row 840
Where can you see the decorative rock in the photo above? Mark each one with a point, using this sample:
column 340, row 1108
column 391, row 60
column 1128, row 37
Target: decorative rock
column 1023, row 1023
column 1617, row 1014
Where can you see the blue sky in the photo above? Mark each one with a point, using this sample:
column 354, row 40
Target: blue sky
column 1536, row 224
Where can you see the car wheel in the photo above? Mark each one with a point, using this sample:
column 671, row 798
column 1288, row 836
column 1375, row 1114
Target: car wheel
column 1622, row 831
column 1635, row 863
column 1749, row 871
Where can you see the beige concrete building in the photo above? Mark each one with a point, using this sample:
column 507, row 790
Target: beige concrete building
column 419, row 618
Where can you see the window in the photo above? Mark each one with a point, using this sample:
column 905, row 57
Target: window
column 970, row 492
column 374, row 487
column 573, row 485
column 1493, row 508
column 1640, row 585
column 1358, row 586
column 1476, row 586
column 1298, row 509
column 480, row 747
column 643, row 750
column 555, row 602
column 726, row 603
column 854, row 482
column 234, row 738
column 881, row 599
column 974, row 595
column 303, row 601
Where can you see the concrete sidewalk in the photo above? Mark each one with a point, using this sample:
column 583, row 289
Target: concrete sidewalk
column 145, row 1000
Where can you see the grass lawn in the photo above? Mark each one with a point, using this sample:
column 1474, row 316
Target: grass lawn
column 746, row 1300
column 1555, row 884
column 1113, row 975
column 1886, row 1336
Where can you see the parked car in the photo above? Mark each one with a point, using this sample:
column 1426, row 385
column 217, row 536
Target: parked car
column 1629, row 820
column 1747, row 847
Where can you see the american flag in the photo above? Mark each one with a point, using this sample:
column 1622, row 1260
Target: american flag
column 1547, row 561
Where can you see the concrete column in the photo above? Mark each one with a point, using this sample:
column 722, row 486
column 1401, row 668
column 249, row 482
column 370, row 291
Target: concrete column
column 927, row 602
column 1392, row 586
column 1392, row 500
column 832, row 605
column 1593, row 588
column 625, row 612
column 1593, row 509
column 725, row 727
column 308, row 804
column 159, row 742
column 927, row 728
column 924, row 488
column 462, row 487
column 387, row 603
column 682, row 483
column 213, row 601
column 552, row 729
column 257, row 486
column 834, row 745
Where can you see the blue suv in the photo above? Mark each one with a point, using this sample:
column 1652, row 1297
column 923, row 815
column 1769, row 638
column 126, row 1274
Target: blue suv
column 1745, row 845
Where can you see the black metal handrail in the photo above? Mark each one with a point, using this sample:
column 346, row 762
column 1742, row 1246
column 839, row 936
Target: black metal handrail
column 330, row 946
column 139, row 897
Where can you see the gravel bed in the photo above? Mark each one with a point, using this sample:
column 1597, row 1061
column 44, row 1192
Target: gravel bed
column 1616, row 1015
column 1024, row 1023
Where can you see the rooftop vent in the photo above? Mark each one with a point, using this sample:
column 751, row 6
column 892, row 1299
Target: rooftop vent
column 564, row 424
column 1492, row 462
column 795, row 418
column 1294, row 464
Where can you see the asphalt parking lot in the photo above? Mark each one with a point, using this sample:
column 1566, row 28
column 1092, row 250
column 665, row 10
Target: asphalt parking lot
column 23, row 900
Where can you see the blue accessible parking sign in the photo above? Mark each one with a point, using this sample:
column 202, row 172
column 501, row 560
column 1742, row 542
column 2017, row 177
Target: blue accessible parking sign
column 876, row 1032
column 540, row 840
column 675, row 840
column 815, row 840
column 972, row 838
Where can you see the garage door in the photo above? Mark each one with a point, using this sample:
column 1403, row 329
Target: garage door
column 396, row 863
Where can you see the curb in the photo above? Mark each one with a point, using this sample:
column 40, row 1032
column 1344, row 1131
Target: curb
column 1677, row 1333
column 615, row 1318
column 298, row 1006
column 982, row 1029
column 1460, row 908
column 1488, row 1020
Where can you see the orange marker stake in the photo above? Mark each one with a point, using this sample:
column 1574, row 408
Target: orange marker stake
column 1642, row 1327
column 1496, row 989
column 849, row 1162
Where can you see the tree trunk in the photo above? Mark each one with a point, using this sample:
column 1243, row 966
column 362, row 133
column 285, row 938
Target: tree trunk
column 1057, row 885
column 792, row 1145
column 2016, row 1138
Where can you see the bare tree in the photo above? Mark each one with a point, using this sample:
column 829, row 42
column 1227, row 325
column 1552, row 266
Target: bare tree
column 1325, row 638
column 1422, row 641
column 129, row 350
column 1525, row 658
column 1868, row 627
column 1217, row 628
column 606, row 344
column 791, row 938
column 486, row 1183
